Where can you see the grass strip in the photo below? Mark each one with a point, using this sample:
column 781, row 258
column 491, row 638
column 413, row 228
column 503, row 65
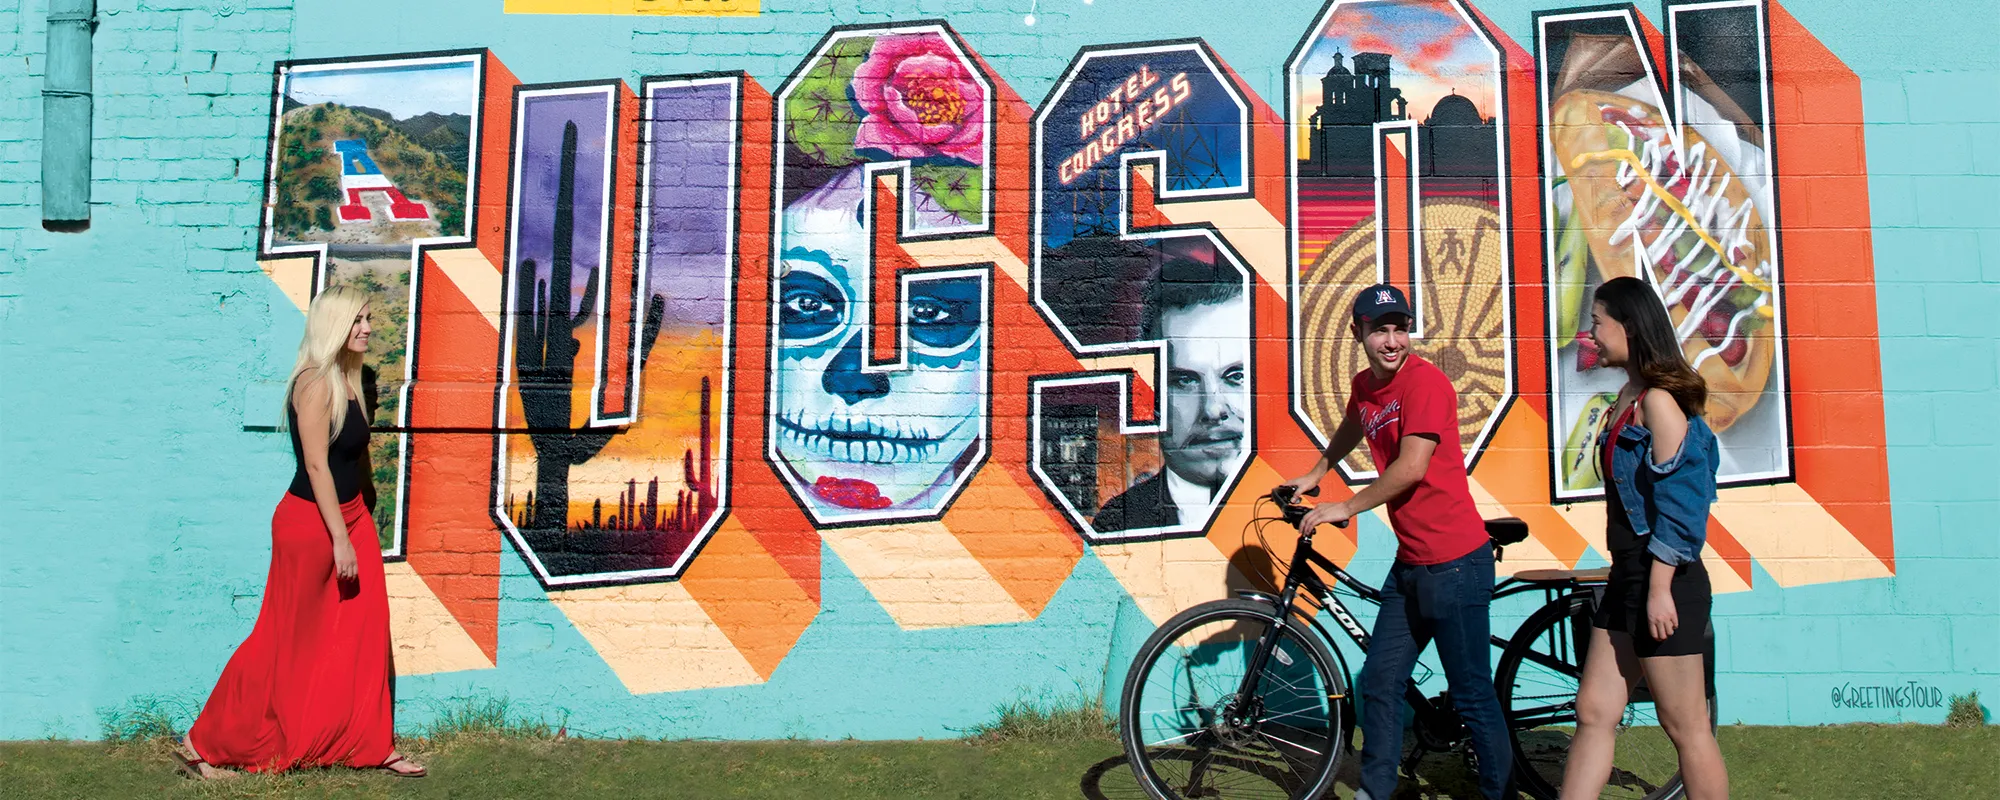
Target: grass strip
column 1853, row 761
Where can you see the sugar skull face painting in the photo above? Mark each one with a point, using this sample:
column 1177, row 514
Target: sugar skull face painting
column 868, row 430
column 861, row 441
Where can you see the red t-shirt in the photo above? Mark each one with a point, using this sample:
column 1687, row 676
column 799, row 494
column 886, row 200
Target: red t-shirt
column 1435, row 521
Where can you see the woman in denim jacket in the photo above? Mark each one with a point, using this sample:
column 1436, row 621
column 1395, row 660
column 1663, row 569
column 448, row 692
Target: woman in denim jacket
column 1660, row 462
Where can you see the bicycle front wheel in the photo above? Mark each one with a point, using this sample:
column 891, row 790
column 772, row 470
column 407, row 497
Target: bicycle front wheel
column 1188, row 731
column 1537, row 679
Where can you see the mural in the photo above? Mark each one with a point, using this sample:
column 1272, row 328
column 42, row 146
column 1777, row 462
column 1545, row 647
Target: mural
column 859, row 436
column 611, row 470
column 370, row 158
column 705, row 337
column 1161, row 462
column 1675, row 192
column 1398, row 113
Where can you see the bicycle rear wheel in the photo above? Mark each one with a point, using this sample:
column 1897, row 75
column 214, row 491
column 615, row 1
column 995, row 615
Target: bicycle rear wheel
column 1537, row 680
column 1187, row 733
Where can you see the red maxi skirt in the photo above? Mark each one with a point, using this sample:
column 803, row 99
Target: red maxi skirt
column 312, row 684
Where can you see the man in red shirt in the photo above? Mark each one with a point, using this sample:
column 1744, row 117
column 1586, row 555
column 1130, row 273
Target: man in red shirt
column 1441, row 584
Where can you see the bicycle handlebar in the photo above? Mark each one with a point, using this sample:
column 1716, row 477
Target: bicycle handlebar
column 1284, row 495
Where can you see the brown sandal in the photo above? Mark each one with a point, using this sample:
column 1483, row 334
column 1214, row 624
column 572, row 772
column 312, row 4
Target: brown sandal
column 191, row 765
column 388, row 766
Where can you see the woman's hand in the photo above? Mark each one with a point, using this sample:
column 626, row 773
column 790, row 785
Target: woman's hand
column 1661, row 616
column 344, row 563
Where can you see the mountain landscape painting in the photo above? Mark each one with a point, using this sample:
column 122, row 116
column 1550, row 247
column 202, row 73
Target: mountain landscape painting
column 368, row 158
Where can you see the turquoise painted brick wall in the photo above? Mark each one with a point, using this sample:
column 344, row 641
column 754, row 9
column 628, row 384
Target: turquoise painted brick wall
column 136, row 505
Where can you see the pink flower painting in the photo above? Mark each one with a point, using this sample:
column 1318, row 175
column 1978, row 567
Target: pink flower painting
column 919, row 101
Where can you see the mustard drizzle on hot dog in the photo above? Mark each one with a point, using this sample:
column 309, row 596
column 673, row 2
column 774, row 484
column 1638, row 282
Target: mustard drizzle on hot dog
column 1696, row 174
column 1674, row 203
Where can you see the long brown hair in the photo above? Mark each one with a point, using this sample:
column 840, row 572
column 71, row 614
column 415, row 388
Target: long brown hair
column 1652, row 351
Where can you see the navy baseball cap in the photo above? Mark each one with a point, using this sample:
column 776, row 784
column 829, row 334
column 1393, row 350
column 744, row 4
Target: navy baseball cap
column 1379, row 301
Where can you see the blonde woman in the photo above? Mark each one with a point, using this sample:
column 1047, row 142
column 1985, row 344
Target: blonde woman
column 312, row 685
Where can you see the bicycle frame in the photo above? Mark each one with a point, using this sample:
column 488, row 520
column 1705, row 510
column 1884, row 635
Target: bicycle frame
column 1438, row 727
column 1308, row 579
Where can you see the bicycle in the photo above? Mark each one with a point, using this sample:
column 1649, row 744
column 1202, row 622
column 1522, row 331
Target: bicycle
column 1279, row 725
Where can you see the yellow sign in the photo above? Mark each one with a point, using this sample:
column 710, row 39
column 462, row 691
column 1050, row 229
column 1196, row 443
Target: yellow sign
column 681, row 8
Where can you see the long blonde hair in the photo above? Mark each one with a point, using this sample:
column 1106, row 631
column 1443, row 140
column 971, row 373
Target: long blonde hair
column 323, row 352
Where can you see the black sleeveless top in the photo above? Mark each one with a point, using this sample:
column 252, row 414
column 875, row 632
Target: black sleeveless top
column 1619, row 537
column 343, row 455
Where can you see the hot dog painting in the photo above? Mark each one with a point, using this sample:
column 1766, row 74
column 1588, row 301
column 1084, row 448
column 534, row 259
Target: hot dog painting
column 1681, row 201
column 1674, row 214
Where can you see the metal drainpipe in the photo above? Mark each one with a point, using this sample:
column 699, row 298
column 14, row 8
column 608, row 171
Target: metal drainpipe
column 66, row 116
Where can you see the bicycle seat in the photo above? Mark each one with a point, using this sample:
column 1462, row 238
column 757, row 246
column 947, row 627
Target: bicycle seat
column 1597, row 575
column 1507, row 530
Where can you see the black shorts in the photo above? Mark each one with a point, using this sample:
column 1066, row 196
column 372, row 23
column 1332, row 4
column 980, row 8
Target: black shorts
column 1624, row 605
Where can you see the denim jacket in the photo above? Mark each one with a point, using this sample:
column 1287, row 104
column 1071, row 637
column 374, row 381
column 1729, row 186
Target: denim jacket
column 1668, row 501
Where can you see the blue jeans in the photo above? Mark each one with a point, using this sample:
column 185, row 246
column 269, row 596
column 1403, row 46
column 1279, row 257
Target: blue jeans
column 1446, row 603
